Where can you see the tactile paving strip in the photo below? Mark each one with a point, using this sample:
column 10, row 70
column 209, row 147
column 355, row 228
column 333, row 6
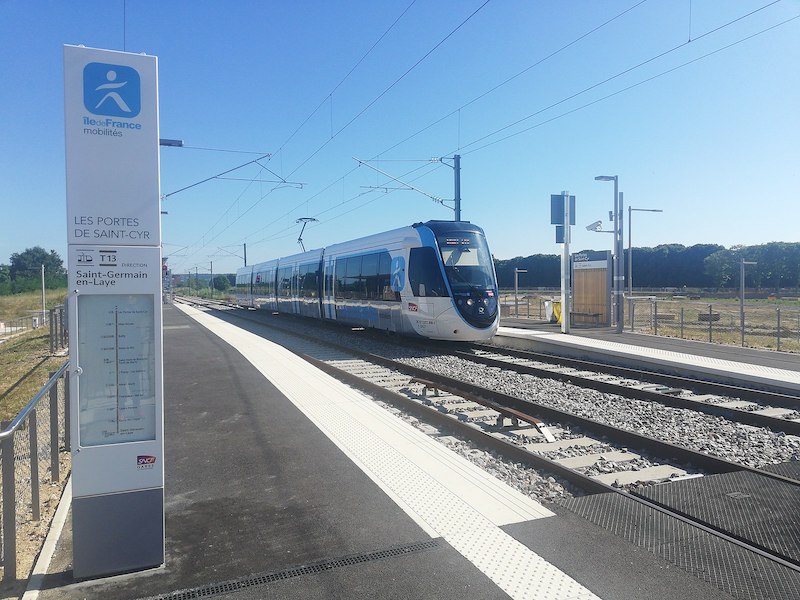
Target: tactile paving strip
column 361, row 429
column 747, row 506
column 735, row 571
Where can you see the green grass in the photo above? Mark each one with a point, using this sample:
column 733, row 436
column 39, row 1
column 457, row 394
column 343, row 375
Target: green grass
column 25, row 361
column 25, row 366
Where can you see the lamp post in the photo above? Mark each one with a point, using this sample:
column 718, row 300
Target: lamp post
column 630, row 248
column 516, row 289
column 44, row 317
column 741, row 292
column 619, row 262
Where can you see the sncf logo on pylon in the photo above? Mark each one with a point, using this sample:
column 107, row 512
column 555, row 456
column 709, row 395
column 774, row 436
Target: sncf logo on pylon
column 145, row 462
column 112, row 90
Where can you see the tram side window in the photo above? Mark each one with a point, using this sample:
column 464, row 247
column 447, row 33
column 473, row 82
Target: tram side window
column 345, row 282
column 424, row 273
column 300, row 279
column 385, row 278
column 309, row 284
column 365, row 277
column 354, row 283
column 265, row 283
column 328, row 279
column 259, row 283
column 339, row 293
column 285, row 282
column 369, row 276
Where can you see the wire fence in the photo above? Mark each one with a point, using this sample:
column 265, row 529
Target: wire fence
column 755, row 325
column 770, row 325
column 20, row 324
column 32, row 448
column 55, row 318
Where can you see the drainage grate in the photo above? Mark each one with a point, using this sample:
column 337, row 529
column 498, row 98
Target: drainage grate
column 320, row 567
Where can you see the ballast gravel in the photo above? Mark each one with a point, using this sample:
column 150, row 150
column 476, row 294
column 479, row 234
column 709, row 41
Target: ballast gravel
column 717, row 436
column 745, row 444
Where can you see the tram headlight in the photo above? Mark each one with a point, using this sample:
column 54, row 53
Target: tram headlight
column 470, row 301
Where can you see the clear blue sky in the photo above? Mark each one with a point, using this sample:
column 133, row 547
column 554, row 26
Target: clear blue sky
column 715, row 143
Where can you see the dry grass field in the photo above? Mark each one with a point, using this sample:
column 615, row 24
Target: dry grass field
column 689, row 318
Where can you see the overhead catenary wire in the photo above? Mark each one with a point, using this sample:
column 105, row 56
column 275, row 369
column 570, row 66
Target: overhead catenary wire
column 617, row 93
column 589, row 88
column 352, row 120
column 217, row 176
column 619, row 74
column 305, row 121
column 477, row 98
column 515, row 76
column 286, row 233
column 329, row 96
column 390, row 87
column 469, row 146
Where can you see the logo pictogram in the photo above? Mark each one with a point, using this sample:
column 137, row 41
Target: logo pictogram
column 398, row 279
column 145, row 462
column 112, row 90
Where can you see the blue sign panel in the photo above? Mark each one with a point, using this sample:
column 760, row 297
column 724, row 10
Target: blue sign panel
column 111, row 90
column 557, row 209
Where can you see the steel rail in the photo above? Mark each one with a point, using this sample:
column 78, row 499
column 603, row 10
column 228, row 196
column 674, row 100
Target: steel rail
column 735, row 414
column 725, row 389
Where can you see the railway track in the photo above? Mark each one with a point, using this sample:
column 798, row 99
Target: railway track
column 780, row 412
column 590, row 455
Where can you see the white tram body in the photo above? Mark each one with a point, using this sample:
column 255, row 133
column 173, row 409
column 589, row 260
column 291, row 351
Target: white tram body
column 434, row 279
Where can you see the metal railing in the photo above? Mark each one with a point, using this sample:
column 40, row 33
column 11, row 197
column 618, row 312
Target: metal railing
column 59, row 337
column 20, row 324
column 29, row 456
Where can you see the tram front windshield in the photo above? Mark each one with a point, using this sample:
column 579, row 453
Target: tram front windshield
column 467, row 261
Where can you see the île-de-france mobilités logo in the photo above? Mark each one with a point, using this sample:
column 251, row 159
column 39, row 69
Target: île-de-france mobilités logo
column 111, row 90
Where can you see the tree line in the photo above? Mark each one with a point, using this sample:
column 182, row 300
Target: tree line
column 24, row 271
column 702, row 266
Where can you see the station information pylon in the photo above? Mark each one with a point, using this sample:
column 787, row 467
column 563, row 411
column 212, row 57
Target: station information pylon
column 114, row 275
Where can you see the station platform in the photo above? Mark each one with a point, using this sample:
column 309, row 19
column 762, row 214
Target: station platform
column 747, row 367
column 282, row 482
